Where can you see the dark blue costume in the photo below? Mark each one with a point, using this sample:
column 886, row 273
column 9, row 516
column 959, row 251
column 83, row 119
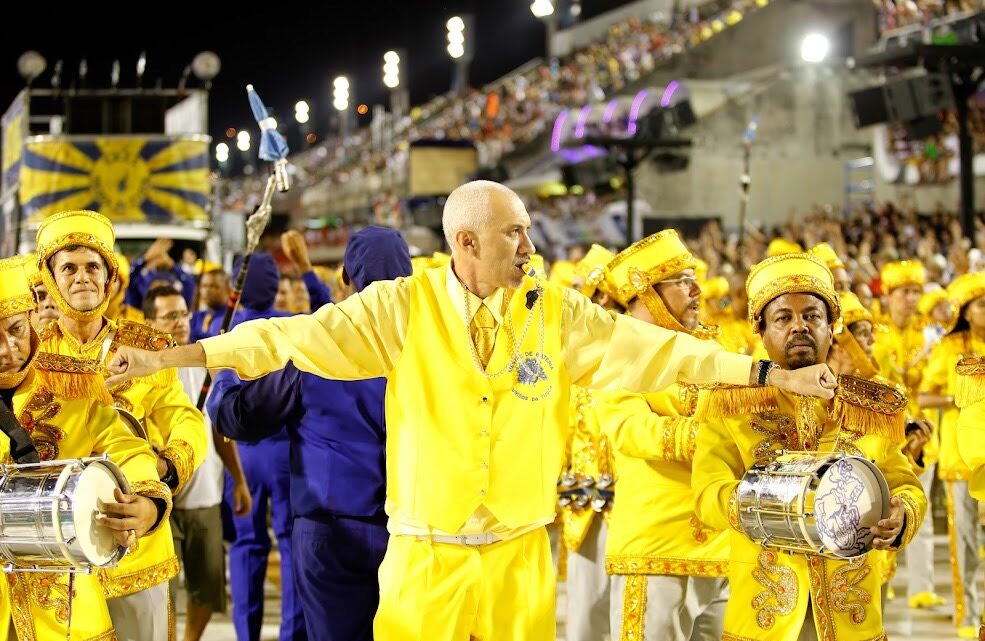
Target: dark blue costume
column 338, row 487
column 141, row 277
column 266, row 462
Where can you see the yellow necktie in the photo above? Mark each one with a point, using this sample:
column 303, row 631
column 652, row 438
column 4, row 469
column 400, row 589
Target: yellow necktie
column 483, row 333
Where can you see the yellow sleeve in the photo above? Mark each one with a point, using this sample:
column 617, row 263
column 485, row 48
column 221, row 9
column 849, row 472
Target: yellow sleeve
column 131, row 453
column 182, row 429
column 971, row 442
column 715, row 475
column 359, row 338
column 903, row 483
column 603, row 352
column 634, row 429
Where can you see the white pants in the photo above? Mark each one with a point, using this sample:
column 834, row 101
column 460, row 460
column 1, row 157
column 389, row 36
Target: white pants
column 920, row 551
column 142, row 616
column 964, row 541
column 677, row 608
column 588, row 587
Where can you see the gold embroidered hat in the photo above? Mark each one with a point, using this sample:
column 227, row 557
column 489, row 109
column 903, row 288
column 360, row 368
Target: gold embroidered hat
column 902, row 273
column 590, row 270
column 31, row 269
column 781, row 246
column 966, row 288
column 828, row 255
column 852, row 311
column 16, row 295
column 67, row 229
column 786, row 274
column 645, row 263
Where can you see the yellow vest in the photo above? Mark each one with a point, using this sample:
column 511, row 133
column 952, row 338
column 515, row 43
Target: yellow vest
column 653, row 528
column 771, row 590
column 153, row 401
column 66, row 428
column 448, row 454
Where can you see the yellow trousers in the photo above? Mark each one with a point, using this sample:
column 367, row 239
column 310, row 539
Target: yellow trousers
column 502, row 591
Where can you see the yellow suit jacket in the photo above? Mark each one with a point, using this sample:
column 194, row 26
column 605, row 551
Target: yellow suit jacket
column 175, row 427
column 67, row 413
column 653, row 528
column 771, row 589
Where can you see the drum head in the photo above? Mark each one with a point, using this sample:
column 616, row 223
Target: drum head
column 852, row 496
column 96, row 482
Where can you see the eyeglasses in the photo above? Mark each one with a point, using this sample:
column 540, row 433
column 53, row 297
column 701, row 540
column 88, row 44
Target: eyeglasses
column 684, row 282
column 173, row 316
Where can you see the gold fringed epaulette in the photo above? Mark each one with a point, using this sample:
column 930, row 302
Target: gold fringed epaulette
column 729, row 400
column 134, row 334
column 868, row 407
column 72, row 378
column 970, row 387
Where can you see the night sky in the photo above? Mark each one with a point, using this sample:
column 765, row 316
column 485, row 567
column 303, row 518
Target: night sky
column 289, row 52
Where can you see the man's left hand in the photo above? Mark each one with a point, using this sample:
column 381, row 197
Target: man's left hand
column 887, row 530
column 129, row 518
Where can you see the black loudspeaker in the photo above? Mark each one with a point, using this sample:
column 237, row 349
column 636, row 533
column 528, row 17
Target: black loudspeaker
column 868, row 107
column 900, row 103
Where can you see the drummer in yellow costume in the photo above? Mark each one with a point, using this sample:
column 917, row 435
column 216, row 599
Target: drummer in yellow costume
column 78, row 267
column 901, row 350
column 937, row 393
column 474, row 449
column 586, row 486
column 778, row 596
column 65, row 411
column 668, row 568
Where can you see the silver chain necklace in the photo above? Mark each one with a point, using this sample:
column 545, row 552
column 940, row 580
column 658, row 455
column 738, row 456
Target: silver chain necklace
column 515, row 362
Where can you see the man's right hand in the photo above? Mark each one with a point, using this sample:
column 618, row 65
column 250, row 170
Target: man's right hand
column 130, row 362
column 816, row 380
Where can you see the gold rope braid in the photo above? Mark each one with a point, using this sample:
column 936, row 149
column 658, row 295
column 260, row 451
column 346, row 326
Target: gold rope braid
column 634, row 608
column 960, row 604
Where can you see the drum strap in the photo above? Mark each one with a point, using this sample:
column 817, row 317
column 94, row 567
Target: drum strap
column 22, row 448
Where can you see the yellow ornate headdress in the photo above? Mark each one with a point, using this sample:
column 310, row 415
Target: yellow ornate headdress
column 902, row 273
column 69, row 228
column 781, row 246
column 852, row 311
column 16, row 297
column 966, row 288
column 790, row 273
column 716, row 287
column 590, row 270
column 827, row 255
column 929, row 302
column 31, row 269
column 635, row 270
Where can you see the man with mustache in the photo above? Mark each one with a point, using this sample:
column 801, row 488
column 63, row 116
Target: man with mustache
column 795, row 596
column 78, row 267
column 479, row 358
column 667, row 567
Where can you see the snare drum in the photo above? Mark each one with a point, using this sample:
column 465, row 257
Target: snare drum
column 814, row 503
column 47, row 515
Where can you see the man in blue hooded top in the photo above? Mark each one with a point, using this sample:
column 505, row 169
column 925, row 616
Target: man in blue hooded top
column 265, row 456
column 337, row 436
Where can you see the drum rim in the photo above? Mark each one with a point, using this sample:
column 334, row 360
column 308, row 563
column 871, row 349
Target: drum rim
column 124, row 484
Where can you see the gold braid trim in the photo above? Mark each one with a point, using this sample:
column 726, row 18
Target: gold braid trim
column 134, row 334
column 780, row 594
column 20, row 610
column 960, row 605
column 733, row 509
column 649, row 565
column 633, row 608
column 971, row 382
column 847, row 595
column 866, row 365
column 126, row 584
column 728, row 636
column 868, row 407
column 913, row 520
column 17, row 305
column 181, row 454
column 729, row 400
column 154, row 490
column 73, row 378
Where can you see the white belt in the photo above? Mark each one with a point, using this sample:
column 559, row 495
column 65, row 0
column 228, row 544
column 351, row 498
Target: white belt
column 469, row 540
